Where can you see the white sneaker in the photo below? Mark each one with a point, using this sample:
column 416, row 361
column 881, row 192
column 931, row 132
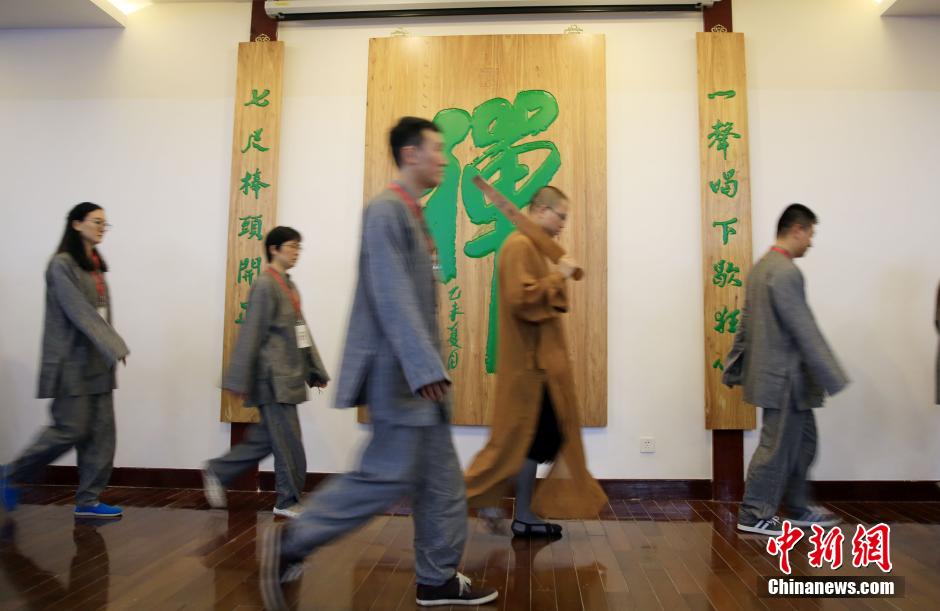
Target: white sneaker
column 290, row 512
column 213, row 489
column 772, row 527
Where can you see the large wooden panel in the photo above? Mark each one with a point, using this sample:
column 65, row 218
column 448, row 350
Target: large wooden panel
column 253, row 200
column 524, row 111
column 726, row 215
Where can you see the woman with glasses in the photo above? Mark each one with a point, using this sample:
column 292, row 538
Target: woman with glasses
column 80, row 351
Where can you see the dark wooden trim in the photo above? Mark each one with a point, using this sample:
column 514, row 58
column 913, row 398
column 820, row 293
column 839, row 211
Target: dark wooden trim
column 262, row 26
column 248, row 481
column 727, row 465
column 135, row 477
column 266, row 480
column 506, row 10
column 727, row 445
column 618, row 489
column 718, row 17
column 661, row 489
column 884, row 490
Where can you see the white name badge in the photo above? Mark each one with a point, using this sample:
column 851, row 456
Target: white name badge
column 103, row 312
column 303, row 336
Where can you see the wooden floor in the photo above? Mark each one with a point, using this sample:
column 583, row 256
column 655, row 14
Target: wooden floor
column 170, row 551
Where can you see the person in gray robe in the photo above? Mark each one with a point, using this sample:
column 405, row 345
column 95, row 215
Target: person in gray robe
column 786, row 368
column 273, row 362
column 393, row 364
column 80, row 352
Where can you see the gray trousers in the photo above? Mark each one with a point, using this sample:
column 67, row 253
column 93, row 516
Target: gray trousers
column 86, row 423
column 418, row 462
column 278, row 433
column 780, row 464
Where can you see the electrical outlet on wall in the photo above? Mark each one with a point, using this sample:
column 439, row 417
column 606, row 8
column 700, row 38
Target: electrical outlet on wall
column 647, row 445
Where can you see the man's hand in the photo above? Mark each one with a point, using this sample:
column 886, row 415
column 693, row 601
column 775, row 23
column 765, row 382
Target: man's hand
column 435, row 391
column 567, row 266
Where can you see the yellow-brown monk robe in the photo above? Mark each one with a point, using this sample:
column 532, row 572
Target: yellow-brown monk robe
column 532, row 354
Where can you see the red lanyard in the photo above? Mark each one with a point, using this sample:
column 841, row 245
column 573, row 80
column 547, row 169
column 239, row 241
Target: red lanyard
column 416, row 210
column 96, row 274
column 781, row 251
column 294, row 297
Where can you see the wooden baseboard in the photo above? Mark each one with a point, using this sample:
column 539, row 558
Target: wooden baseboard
column 618, row 489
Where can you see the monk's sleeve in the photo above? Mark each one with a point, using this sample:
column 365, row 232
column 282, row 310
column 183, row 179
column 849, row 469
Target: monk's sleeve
column 531, row 298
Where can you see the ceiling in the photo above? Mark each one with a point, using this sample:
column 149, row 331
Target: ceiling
column 911, row 8
column 74, row 13
column 113, row 13
column 60, row 14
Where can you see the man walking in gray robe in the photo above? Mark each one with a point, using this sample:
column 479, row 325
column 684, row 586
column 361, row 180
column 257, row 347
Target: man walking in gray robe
column 785, row 366
column 392, row 363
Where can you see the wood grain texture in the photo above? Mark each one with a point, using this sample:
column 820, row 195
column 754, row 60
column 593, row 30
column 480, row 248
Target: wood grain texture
column 422, row 76
column 170, row 551
column 725, row 197
column 260, row 68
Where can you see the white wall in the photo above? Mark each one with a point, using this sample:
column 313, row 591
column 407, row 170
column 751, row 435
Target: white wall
column 843, row 110
column 845, row 117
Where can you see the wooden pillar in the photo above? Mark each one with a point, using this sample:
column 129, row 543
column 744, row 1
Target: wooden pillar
column 263, row 29
column 727, row 444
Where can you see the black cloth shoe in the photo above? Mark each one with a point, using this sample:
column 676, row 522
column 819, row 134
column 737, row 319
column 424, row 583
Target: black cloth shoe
column 456, row 591
column 531, row 531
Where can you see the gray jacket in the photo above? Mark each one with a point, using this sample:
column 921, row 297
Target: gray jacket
column 779, row 354
column 393, row 345
column 266, row 364
column 79, row 347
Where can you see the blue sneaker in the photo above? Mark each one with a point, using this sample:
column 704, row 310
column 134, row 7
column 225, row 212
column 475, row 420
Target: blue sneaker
column 98, row 511
column 9, row 493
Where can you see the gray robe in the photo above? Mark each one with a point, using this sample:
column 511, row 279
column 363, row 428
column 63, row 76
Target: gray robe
column 779, row 353
column 266, row 364
column 79, row 347
column 393, row 347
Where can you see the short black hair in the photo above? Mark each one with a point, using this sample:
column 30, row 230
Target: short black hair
column 408, row 132
column 548, row 196
column 795, row 214
column 72, row 240
column 277, row 236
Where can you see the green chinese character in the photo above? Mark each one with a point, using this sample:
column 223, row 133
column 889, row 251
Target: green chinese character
column 454, row 339
column 454, row 356
column 253, row 182
column 249, row 269
column 726, row 229
column 729, row 189
column 254, row 141
column 241, row 314
column 720, row 134
column 722, row 94
column 500, row 128
column 258, row 99
column 727, row 319
column 252, row 227
column 718, row 365
column 725, row 274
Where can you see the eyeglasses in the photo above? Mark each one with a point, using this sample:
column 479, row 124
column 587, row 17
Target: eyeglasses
column 100, row 223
